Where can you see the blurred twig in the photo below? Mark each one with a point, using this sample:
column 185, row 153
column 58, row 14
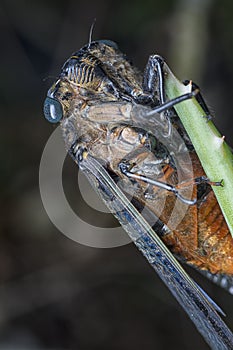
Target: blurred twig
column 189, row 44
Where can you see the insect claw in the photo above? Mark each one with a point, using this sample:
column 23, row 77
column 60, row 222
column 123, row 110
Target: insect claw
column 218, row 183
column 208, row 117
column 204, row 179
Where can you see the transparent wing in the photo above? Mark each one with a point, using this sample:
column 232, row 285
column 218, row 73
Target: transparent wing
column 198, row 306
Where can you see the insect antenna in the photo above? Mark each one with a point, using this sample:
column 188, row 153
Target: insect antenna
column 91, row 32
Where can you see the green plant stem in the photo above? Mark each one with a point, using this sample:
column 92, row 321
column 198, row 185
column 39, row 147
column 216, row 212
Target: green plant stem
column 213, row 152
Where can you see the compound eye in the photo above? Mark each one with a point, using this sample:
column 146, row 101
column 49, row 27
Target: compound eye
column 52, row 110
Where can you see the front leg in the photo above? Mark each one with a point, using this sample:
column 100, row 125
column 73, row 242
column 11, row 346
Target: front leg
column 153, row 91
column 152, row 84
column 153, row 79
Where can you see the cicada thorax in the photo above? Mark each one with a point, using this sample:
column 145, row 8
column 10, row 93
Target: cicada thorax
column 83, row 70
column 104, row 70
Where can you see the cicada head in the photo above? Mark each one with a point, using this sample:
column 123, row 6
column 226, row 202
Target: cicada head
column 61, row 98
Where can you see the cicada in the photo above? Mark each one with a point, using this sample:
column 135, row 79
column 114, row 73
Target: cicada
column 127, row 139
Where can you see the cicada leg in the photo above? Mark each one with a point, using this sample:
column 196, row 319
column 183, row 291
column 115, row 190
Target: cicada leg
column 126, row 170
column 204, row 179
column 153, row 80
column 153, row 85
column 198, row 181
column 200, row 99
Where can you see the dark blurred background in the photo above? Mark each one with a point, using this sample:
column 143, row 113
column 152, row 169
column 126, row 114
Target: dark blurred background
column 55, row 293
